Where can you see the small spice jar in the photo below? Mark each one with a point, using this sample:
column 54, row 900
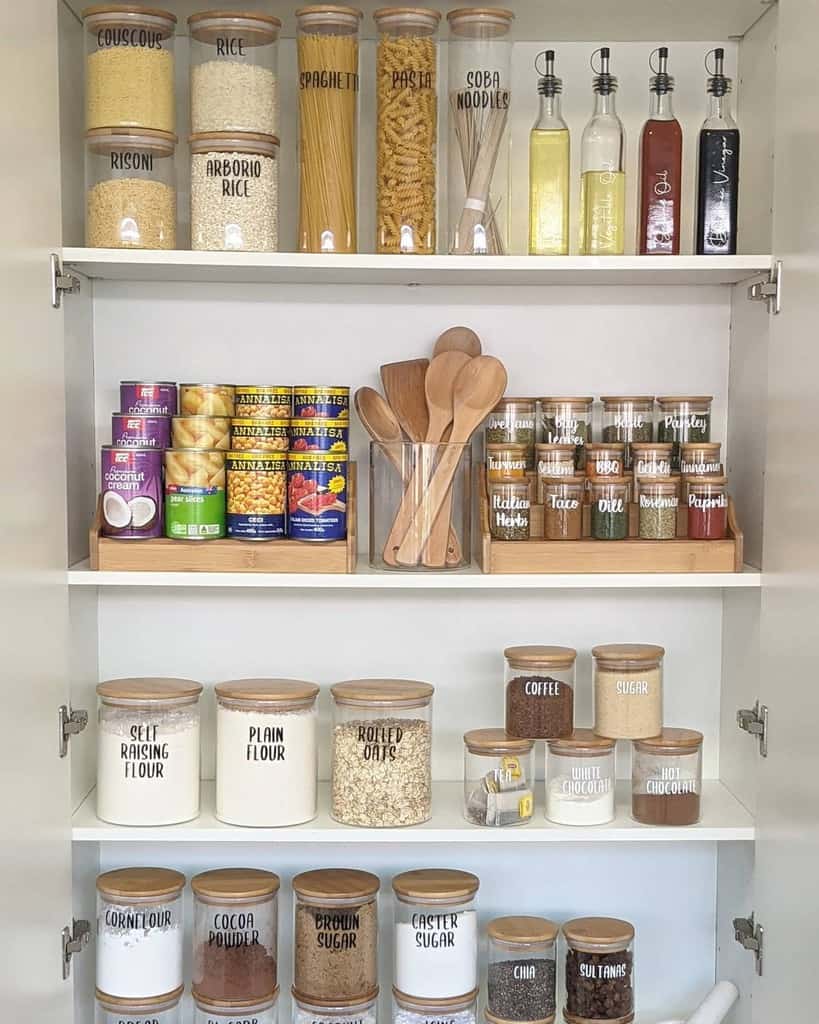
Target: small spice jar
column 522, row 972
column 266, row 752
column 336, row 936
column 553, row 460
column 436, row 933
column 207, row 399
column 609, row 508
column 628, row 418
column 263, row 403
column 505, row 460
column 563, row 507
column 509, row 509
column 235, row 934
column 666, row 778
column 707, row 507
column 605, row 459
column 580, row 779
column 336, row 1011
column 148, row 753
column 382, row 748
column 599, row 970
column 139, row 933
column 650, row 460
column 683, row 419
column 539, row 691
column 461, row 1010
column 628, row 690
column 208, row 1011
column 499, row 774
column 701, row 458
column 162, row 1010
column 658, row 503
column 567, row 421
column 512, row 421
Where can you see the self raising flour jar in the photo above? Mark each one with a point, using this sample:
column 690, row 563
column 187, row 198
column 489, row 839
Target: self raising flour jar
column 163, row 1010
column 522, row 972
column 628, row 690
column 266, row 752
column 336, row 1011
column 139, row 933
column 539, row 691
column 666, row 778
column 580, row 779
column 238, row 1011
column 599, row 970
column 131, row 492
column 462, row 1010
column 148, row 752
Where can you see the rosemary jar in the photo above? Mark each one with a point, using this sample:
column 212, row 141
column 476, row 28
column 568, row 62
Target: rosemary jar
column 512, row 421
column 605, row 459
column 563, row 507
column 499, row 773
column 540, row 682
column 707, row 507
column 609, row 508
column 522, row 970
column 509, row 509
column 628, row 418
column 666, row 778
column 683, row 419
column 658, row 503
column 567, row 421
column 628, row 690
column 580, row 779
column 599, row 970
column 164, row 1009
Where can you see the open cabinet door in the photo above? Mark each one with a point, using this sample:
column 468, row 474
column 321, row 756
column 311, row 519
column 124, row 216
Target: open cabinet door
column 35, row 838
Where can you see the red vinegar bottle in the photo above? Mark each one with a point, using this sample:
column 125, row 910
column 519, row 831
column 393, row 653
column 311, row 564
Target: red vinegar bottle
column 660, row 169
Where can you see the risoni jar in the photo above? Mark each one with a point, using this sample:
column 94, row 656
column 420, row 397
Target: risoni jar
column 707, row 507
column 317, row 496
column 567, row 421
column 148, row 752
column 162, row 1010
column 498, row 778
column 206, row 399
column 266, row 752
column 407, row 1010
column 539, row 691
column 263, row 403
column 580, row 779
column 683, row 419
column 628, row 690
column 509, row 508
column 235, row 934
column 522, row 970
column 599, row 970
column 505, row 460
column 658, row 503
column 238, row 1011
column 605, row 459
column 628, row 418
column 256, row 487
column 563, row 506
column 139, row 933
column 335, row 1011
column 666, row 778
column 512, row 421
column 194, row 494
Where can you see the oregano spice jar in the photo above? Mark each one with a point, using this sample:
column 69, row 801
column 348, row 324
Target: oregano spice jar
column 599, row 970
column 540, row 691
column 512, row 421
column 521, row 976
column 628, row 690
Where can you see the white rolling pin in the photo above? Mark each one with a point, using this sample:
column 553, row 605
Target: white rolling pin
column 715, row 1006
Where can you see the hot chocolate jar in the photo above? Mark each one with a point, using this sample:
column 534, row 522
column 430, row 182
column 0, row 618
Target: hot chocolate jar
column 522, row 970
column 539, row 691
column 599, row 970
column 628, row 690
column 666, row 778
column 239, row 1011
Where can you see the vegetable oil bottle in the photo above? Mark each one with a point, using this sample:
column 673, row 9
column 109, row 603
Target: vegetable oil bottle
column 603, row 180
column 549, row 169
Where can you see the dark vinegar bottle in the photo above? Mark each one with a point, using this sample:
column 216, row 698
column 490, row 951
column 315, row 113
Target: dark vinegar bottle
column 718, row 171
column 660, row 169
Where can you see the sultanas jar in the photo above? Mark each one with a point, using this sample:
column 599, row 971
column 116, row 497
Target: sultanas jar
column 334, row 1011
column 237, row 1011
column 666, row 778
column 599, row 970
column 407, row 1010
column 512, row 421
column 256, row 488
column 567, row 421
column 498, row 778
column 539, row 691
column 628, row 690
column 162, row 1010
column 580, row 779
column 317, row 495
column 707, row 507
column 628, row 418
column 522, row 971
column 683, row 419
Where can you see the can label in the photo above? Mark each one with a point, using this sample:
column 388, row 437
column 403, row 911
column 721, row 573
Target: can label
column 311, row 402
column 317, row 496
column 147, row 399
column 140, row 431
column 260, row 435
column 131, row 493
column 273, row 403
column 255, row 494
column 194, row 494
column 319, row 435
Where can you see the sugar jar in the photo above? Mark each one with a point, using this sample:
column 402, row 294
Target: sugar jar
column 628, row 418
column 522, row 971
column 666, row 778
column 164, row 1009
column 707, row 507
column 512, row 421
column 539, row 691
column 238, row 1011
column 334, row 1011
column 498, row 778
column 683, row 419
column 580, row 779
column 628, row 690
column 408, row 1010
column 599, row 970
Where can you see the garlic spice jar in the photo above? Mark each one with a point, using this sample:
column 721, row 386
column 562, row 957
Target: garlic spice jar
column 580, row 779
column 239, row 1011
column 666, row 778
column 628, row 690
column 599, row 970
column 163, row 1010
column 539, row 691
column 522, row 970
column 266, row 752
column 148, row 752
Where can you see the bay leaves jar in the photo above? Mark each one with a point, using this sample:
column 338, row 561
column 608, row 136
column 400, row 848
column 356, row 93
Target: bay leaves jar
column 628, row 690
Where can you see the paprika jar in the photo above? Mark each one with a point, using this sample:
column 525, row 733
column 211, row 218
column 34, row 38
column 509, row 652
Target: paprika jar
column 522, row 970
column 658, row 504
column 683, row 419
column 599, row 970
column 666, row 778
column 505, row 460
column 162, row 1010
column 238, row 1011
column 539, row 691
column 498, row 778
column 628, row 690
column 707, row 507
column 628, row 418
column 335, row 1011
column 461, row 1010
column 580, row 779
column 563, row 507
column 567, row 421
column 605, row 459
column 512, row 421
column 553, row 460
column 509, row 509
column 609, row 508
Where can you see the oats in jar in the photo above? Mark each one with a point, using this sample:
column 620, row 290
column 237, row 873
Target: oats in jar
column 201, row 432
column 207, row 399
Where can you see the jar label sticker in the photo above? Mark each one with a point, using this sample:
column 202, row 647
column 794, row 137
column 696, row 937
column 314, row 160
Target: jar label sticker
column 700, row 468
column 144, row 754
column 562, row 504
column 556, row 468
column 652, row 467
column 704, row 501
column 661, row 501
column 610, row 504
column 542, row 686
column 265, row 743
column 586, row 780
column 484, row 91
column 671, row 781
column 632, row 688
column 608, row 467
column 505, row 421
column 233, row 930
column 379, row 743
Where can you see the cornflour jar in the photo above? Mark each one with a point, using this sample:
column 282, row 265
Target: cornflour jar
column 163, row 1010
column 254, row 1011
column 628, row 690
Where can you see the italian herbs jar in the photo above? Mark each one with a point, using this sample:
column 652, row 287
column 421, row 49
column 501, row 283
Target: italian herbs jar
column 580, row 779
column 148, row 752
column 599, row 970
column 498, row 778
column 522, row 972
column 628, row 690
column 164, row 1010
column 539, row 691
column 666, row 778
column 509, row 508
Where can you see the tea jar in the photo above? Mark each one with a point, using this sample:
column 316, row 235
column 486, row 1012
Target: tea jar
column 162, row 1010
column 628, row 690
column 266, row 752
column 509, row 508
column 505, row 460
column 381, row 773
column 336, row 936
column 234, row 72
column 599, row 970
column 610, row 507
column 512, row 421
column 563, row 506
column 683, row 419
column 666, row 778
column 628, row 418
column 658, row 503
column 605, row 459
column 580, row 779
column 235, row 934
column 522, row 970
column 148, row 752
column 335, row 1011
column 436, row 933
column 139, row 933
column 553, row 460
column 238, row 1011
column 499, row 773
column 567, row 421
column 539, row 682
column 707, row 507
column 460, row 1010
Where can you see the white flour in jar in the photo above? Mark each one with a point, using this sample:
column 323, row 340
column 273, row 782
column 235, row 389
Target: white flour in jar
column 436, row 953
column 586, row 802
column 139, row 949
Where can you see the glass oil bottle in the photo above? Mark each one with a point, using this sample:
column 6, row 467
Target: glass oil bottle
column 603, row 179
column 549, row 169
column 660, row 169
column 717, row 170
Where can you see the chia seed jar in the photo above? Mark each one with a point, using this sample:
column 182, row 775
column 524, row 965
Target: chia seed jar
column 666, row 778
column 509, row 509
column 206, row 1011
column 580, row 779
column 609, row 508
column 707, row 507
column 628, row 690
column 599, row 970
column 461, row 1010
column 658, row 503
column 144, row 398
column 131, row 492
column 522, row 971
column 628, row 418
column 162, row 1010
column 539, row 684
column 336, row 1011
column 499, row 774
column 512, row 421
column 567, row 421
column 683, row 419
column 131, row 431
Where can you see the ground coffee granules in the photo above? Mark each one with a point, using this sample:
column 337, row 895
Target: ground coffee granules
column 599, row 985
column 521, row 989
column 539, row 707
column 244, row 972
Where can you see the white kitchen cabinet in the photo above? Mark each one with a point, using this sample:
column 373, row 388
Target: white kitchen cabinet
column 626, row 324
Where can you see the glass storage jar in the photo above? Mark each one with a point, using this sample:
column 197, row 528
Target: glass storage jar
column 666, row 778
column 599, row 970
column 658, row 504
column 235, row 934
column 436, row 933
column 609, row 507
column 509, row 508
column 130, row 189
column 234, row 192
column 336, row 936
column 683, row 419
column 539, row 683
column 522, row 971
column 512, row 421
column 707, row 507
column 258, row 1011
column 148, row 752
column 650, row 459
column 406, row 71
column 381, row 774
column 129, row 67
column 505, row 460
column 499, row 773
column 701, row 458
column 628, row 690
column 605, row 459
column 563, row 506
column 461, row 1010
column 567, row 421
column 266, row 752
column 337, row 1011
column 553, row 460
column 628, row 418
column 479, row 181
column 164, row 1010
column 234, row 72
column 139, row 933
column 328, row 127
column 580, row 779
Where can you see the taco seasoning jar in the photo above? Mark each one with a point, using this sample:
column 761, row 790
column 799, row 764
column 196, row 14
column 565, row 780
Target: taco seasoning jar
column 609, row 508
column 599, row 970
column 162, row 1010
column 539, row 691
column 658, row 503
column 628, row 690
column 335, row 1011
column 605, row 459
column 707, row 507
column 666, row 778
column 522, row 971
column 683, row 419
column 567, row 421
column 237, row 1011
column 563, row 506
column 580, row 779
column 509, row 508
column 628, row 418
column 407, row 1010
column 498, row 778
column 512, row 421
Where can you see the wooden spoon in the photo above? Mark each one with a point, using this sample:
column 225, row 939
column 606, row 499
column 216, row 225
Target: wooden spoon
column 404, row 388
column 459, row 339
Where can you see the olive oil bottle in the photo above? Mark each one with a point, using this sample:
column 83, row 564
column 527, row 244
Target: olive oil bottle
column 549, row 170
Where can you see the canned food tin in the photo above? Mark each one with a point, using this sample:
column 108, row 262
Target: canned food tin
column 319, row 435
column 260, row 435
column 201, row 432
column 263, row 403
column 129, row 431
column 194, row 494
column 313, row 402
column 131, row 492
column 317, row 496
column 256, row 482
column 145, row 398
column 206, row 399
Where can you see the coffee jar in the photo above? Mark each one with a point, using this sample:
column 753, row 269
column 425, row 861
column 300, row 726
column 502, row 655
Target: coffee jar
column 599, row 982
column 522, row 970
column 539, row 683
column 628, row 690
column 498, row 778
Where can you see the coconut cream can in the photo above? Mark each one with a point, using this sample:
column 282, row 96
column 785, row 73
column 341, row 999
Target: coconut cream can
column 131, row 492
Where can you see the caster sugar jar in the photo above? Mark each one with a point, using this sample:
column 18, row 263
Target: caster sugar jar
column 522, row 970
column 148, row 751
column 599, row 970
column 254, row 1011
column 628, row 690
column 163, row 1010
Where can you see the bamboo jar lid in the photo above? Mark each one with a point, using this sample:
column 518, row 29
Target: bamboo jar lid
column 351, row 1005
column 495, row 741
column 156, row 1004
column 436, row 885
column 582, row 742
column 623, row 656
column 672, row 741
column 408, row 693
column 269, row 691
column 149, row 688
column 533, row 655
column 636, row 399
column 522, row 930
column 141, row 883
column 429, row 1006
column 236, row 1005
column 593, row 934
column 235, row 884
column 330, row 884
column 678, row 399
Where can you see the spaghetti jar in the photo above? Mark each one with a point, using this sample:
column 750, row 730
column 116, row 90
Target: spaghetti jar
column 580, row 779
column 707, row 508
column 328, row 127
column 599, row 970
column 539, row 691
column 237, row 1011
column 562, row 506
column 683, row 419
column 658, row 503
column 628, row 418
column 567, row 421
column 522, row 972
column 628, row 690
column 605, row 459
column 479, row 186
column 512, row 421
column 666, row 778
column 161, row 1010
column 499, row 773
column 509, row 508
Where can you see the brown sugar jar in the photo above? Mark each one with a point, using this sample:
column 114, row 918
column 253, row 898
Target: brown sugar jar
column 539, row 691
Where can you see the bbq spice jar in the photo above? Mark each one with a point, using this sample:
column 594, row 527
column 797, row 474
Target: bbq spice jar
column 628, row 690
column 539, row 691
column 522, row 970
column 599, row 970
column 499, row 773
column 666, row 778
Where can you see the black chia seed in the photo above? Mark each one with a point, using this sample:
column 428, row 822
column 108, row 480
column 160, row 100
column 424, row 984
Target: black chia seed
column 528, row 996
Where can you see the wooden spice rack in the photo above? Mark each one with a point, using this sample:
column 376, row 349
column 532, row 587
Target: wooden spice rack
column 596, row 556
column 285, row 556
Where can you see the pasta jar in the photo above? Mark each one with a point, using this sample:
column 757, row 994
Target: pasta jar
column 553, row 460
column 194, row 494
column 162, row 1010
column 461, row 1010
column 201, row 432
column 498, row 778
column 605, row 459
column 129, row 67
column 263, row 403
column 237, row 1011
column 234, row 191
column 701, row 458
column 256, row 484
column 707, row 507
column 512, row 421
column 609, row 508
column 683, row 419
column 505, row 460
column 335, row 1011
column 563, row 507
column 235, row 934
column 539, row 691
column 139, row 933
column 479, row 183
column 599, row 970
column 381, row 757
column 234, row 72
column 148, row 753
column 658, row 504
column 628, row 690
column 406, row 70
column 328, row 127
column 509, row 509
column 266, row 752
column 522, row 971
column 666, row 778
column 628, row 418
column 130, row 189
column 580, row 779
column 567, row 421
column 207, row 399
column 436, row 933
column 336, row 936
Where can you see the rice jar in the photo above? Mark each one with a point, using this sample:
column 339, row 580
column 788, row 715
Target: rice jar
column 194, row 494
column 131, row 431
column 131, row 492
column 319, row 435
column 147, row 398
column 317, row 496
column 315, row 402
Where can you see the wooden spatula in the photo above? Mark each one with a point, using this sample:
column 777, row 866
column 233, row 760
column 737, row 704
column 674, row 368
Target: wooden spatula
column 404, row 388
column 460, row 339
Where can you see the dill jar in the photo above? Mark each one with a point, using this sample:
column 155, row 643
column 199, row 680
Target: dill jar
column 609, row 508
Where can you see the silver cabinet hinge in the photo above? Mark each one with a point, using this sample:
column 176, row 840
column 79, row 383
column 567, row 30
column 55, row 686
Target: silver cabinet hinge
column 769, row 291
column 70, row 723
column 61, row 282
column 749, row 934
column 74, row 940
column 755, row 721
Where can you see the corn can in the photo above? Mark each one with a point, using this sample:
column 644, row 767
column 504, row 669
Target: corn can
column 256, row 485
column 194, row 494
column 317, row 495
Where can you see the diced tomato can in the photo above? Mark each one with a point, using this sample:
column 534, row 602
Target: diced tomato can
column 319, row 436
column 316, row 402
column 317, row 495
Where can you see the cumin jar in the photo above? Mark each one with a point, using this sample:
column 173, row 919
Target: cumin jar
column 512, row 421
column 628, row 690
column 540, row 691
column 505, row 460
column 605, row 459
